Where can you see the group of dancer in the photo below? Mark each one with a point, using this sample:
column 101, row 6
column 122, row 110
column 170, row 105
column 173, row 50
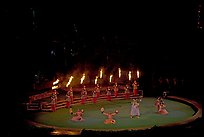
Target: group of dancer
column 134, row 111
column 97, row 90
column 135, row 104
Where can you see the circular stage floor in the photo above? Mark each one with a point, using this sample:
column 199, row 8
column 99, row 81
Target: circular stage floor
column 181, row 111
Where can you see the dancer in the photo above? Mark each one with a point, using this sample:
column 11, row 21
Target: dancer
column 53, row 101
column 83, row 95
column 158, row 102
column 68, row 99
column 127, row 92
column 135, row 88
column 94, row 96
column 162, row 109
column 135, row 112
column 115, row 89
column 54, row 94
column 70, row 92
column 164, row 94
column 110, row 115
column 97, row 89
column 77, row 116
column 108, row 93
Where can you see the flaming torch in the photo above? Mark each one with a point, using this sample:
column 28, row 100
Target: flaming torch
column 138, row 74
column 96, row 79
column 101, row 73
column 70, row 80
column 111, row 77
column 55, row 86
column 56, row 82
column 119, row 72
column 82, row 79
column 129, row 75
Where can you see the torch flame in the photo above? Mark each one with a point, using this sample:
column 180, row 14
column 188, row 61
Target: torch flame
column 70, row 80
column 119, row 72
column 55, row 82
column 96, row 79
column 82, row 79
column 129, row 75
column 138, row 74
column 101, row 73
column 111, row 77
column 54, row 87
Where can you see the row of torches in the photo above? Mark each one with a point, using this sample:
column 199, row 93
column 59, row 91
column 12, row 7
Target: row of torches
column 55, row 86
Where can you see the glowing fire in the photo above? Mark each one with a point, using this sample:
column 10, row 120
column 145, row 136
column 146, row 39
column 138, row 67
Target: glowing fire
column 82, row 79
column 138, row 74
column 129, row 75
column 119, row 72
column 101, row 73
column 70, row 80
column 111, row 77
column 54, row 87
column 55, row 82
column 96, row 79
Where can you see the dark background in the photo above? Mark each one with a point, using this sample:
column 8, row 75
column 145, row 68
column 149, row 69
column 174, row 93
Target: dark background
column 160, row 37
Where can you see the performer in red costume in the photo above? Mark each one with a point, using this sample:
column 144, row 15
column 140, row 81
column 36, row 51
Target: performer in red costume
column 127, row 92
column 53, row 101
column 77, row 116
column 110, row 115
column 70, row 92
column 94, row 96
column 115, row 89
column 83, row 95
column 68, row 99
column 135, row 88
column 97, row 89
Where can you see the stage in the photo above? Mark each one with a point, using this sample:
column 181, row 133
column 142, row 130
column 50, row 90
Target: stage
column 181, row 111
